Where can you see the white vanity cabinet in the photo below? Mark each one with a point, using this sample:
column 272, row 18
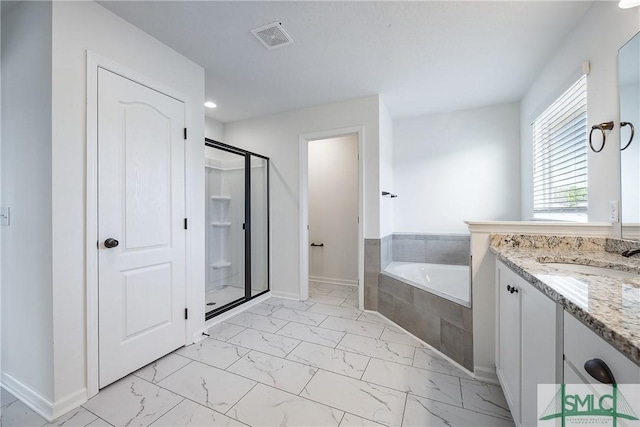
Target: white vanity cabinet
column 528, row 343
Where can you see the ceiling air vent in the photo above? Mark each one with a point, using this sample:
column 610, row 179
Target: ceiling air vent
column 272, row 35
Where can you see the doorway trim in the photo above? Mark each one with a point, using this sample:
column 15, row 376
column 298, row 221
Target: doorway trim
column 304, row 140
column 94, row 62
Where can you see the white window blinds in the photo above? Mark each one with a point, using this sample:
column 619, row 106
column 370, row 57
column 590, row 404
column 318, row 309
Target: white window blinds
column 560, row 156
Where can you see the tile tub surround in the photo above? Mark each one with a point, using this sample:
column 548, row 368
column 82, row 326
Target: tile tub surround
column 386, row 251
column 443, row 324
column 378, row 253
column 376, row 375
column 372, row 268
column 612, row 308
column 450, row 249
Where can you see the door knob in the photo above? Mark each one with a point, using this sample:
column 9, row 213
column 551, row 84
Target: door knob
column 111, row 243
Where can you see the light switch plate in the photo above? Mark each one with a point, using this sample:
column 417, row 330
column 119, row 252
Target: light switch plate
column 5, row 216
column 613, row 211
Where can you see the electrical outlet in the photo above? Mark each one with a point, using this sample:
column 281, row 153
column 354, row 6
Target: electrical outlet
column 613, row 211
column 4, row 217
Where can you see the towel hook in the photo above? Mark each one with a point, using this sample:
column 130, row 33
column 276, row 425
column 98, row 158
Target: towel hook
column 602, row 127
column 633, row 131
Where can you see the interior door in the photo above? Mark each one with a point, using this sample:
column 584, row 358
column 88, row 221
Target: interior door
column 141, row 211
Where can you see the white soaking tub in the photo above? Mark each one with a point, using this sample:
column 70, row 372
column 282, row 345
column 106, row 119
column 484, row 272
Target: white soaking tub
column 447, row 281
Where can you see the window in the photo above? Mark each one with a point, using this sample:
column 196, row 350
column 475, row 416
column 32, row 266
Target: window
column 560, row 157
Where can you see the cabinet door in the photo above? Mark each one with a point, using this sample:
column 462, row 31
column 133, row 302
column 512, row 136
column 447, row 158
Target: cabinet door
column 509, row 337
column 540, row 355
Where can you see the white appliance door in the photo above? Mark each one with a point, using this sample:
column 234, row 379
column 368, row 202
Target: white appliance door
column 141, row 207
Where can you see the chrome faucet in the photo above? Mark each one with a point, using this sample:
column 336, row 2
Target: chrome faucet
column 630, row 252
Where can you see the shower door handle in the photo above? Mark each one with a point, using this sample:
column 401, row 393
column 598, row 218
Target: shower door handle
column 111, row 243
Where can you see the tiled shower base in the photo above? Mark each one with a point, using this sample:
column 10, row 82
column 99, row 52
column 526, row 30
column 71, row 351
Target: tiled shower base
column 222, row 295
column 218, row 297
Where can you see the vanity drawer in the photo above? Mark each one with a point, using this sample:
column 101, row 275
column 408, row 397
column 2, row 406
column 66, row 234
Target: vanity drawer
column 582, row 344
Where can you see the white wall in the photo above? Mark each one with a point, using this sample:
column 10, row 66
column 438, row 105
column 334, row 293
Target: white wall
column 333, row 209
column 277, row 137
column 386, row 170
column 213, row 129
column 457, row 166
column 27, row 332
column 1, row 189
column 597, row 38
column 78, row 26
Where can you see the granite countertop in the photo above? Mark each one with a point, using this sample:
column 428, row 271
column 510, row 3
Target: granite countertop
column 608, row 306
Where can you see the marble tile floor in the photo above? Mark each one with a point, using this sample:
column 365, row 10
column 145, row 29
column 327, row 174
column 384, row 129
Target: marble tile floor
column 281, row 363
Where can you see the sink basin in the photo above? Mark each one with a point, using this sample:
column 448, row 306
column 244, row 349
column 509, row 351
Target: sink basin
column 590, row 269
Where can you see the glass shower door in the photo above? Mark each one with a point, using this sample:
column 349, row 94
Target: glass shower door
column 259, row 225
column 224, row 232
column 237, row 226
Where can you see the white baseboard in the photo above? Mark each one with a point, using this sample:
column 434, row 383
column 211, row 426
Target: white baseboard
column 40, row 404
column 487, row 375
column 34, row 400
column 69, row 403
column 333, row 281
column 286, row 295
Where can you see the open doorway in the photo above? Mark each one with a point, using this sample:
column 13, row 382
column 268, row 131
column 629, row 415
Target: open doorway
column 333, row 220
column 332, row 242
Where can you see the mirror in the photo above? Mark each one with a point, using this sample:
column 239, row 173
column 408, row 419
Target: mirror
column 629, row 90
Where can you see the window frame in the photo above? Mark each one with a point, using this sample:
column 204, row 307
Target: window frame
column 559, row 139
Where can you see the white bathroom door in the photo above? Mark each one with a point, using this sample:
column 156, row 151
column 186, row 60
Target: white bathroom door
column 141, row 210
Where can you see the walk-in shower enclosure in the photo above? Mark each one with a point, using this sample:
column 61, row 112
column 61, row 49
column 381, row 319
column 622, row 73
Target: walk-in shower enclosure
column 237, row 226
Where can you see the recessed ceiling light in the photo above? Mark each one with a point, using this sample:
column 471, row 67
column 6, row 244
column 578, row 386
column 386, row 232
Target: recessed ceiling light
column 210, row 104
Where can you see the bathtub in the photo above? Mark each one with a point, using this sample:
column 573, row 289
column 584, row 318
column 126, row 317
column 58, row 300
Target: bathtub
column 447, row 281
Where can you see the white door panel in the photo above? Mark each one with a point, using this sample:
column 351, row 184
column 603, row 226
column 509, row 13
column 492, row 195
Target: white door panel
column 152, row 285
column 147, row 195
column 140, row 204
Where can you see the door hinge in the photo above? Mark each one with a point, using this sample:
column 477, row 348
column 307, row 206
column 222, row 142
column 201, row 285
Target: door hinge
column 185, row 133
column 186, row 313
column 185, row 223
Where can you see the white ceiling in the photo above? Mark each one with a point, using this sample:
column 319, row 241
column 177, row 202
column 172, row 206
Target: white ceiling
column 422, row 57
